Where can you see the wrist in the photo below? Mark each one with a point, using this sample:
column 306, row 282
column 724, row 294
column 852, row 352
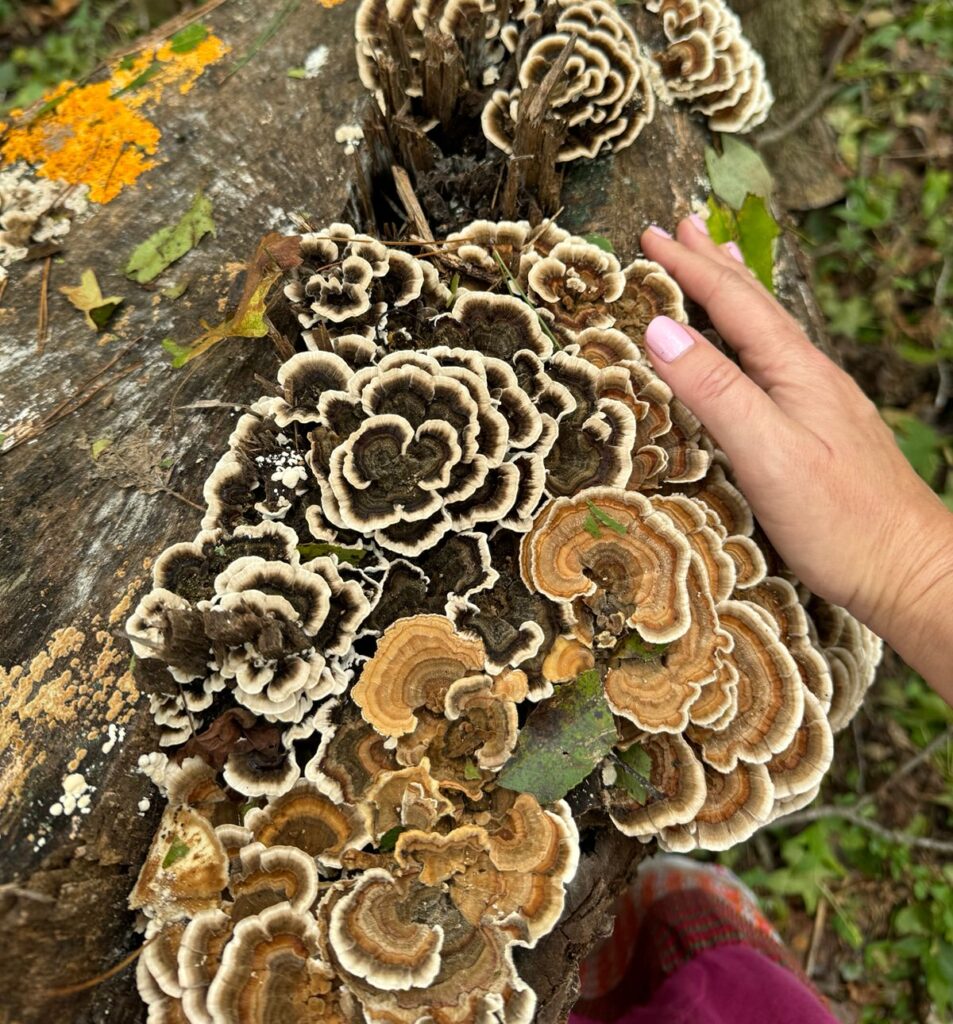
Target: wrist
column 911, row 604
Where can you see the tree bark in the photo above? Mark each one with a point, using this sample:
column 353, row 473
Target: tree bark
column 77, row 534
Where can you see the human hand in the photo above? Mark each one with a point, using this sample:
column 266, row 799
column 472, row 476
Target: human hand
column 818, row 465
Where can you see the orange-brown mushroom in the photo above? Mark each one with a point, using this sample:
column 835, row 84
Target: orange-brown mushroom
column 416, row 661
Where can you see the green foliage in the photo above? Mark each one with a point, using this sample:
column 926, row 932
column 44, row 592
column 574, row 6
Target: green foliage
column 737, row 172
column 171, row 243
column 600, row 241
column 563, row 739
column 597, row 519
column 881, row 252
column 177, row 850
column 352, row 556
column 752, row 228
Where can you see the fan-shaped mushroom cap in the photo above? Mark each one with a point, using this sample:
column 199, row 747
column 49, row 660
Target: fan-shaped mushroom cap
column 349, row 759
column 416, row 661
column 637, row 568
column 779, row 598
column 185, row 870
column 307, row 819
column 488, row 713
column 199, row 956
column 271, row 971
column 736, row 804
column 770, row 693
column 852, row 653
column 567, row 659
column 801, row 766
column 163, row 1008
column 603, row 97
column 674, row 794
column 658, row 692
column 649, row 291
column 265, row 876
column 375, row 936
column 475, row 978
column 407, row 798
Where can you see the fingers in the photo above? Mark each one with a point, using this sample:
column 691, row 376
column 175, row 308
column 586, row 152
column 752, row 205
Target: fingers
column 730, row 404
column 771, row 345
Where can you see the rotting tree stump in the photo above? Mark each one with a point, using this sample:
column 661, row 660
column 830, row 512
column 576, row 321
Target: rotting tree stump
column 77, row 534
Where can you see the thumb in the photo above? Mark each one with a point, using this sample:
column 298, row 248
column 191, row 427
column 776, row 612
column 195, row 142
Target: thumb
column 730, row 405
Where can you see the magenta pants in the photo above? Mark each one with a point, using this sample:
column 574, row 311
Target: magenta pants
column 728, row 984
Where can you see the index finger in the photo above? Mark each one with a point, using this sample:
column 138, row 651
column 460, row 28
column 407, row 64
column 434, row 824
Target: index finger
column 770, row 343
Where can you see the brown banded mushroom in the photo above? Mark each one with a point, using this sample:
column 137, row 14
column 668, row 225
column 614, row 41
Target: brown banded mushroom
column 736, row 804
column 710, row 63
column 271, row 970
column 631, row 561
column 308, row 820
column 265, row 876
column 185, row 870
column 199, row 957
column 603, row 97
column 674, row 789
column 417, row 660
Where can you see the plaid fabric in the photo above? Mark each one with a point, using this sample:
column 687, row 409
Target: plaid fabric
column 676, row 909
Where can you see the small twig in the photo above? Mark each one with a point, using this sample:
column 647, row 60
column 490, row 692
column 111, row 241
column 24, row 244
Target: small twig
column 854, row 817
column 82, row 986
column 3, row 286
column 820, row 919
column 267, row 34
column 937, row 743
column 13, row 889
column 828, row 87
column 183, row 498
column 43, row 315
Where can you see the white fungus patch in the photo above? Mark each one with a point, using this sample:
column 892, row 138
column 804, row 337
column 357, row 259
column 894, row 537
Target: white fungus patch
column 76, row 798
column 315, row 61
column 350, row 136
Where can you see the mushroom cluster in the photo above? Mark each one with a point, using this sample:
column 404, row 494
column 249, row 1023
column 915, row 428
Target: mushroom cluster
column 467, row 491
column 499, row 55
column 711, row 64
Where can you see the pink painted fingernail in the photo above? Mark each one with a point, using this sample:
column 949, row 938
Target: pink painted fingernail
column 698, row 222
column 732, row 249
column 667, row 339
column 656, row 230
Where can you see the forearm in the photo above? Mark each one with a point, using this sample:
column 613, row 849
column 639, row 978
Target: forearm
column 917, row 618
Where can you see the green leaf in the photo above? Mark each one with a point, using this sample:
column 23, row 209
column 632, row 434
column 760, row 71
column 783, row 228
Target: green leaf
column 737, row 173
column 297, row 72
column 177, row 850
column 633, row 646
column 634, row 772
column 600, row 241
column 188, row 38
column 87, row 297
column 352, row 556
column 471, row 771
column 389, row 839
column 919, row 442
column 752, row 228
column 169, row 244
column 99, row 446
column 563, row 739
column 597, row 518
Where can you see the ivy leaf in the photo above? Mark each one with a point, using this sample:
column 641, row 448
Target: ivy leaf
column 737, row 173
column 87, row 297
column 389, row 839
column 352, row 556
column 634, row 769
column 169, row 244
column 633, row 646
column 177, row 850
column 752, row 228
column 600, row 241
column 188, row 38
column 471, row 771
column 563, row 739
column 275, row 254
column 920, row 443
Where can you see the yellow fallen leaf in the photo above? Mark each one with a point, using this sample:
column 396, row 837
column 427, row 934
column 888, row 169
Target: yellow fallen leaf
column 88, row 298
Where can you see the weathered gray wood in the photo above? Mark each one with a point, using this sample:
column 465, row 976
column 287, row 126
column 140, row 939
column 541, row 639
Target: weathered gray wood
column 76, row 534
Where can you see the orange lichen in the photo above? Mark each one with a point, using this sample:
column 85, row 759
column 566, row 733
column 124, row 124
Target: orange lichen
column 96, row 134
